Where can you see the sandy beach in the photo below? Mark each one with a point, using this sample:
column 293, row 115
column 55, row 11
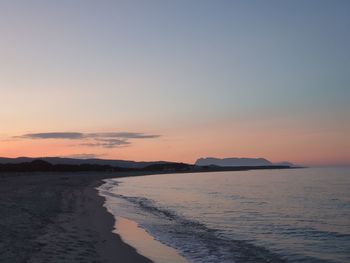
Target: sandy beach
column 58, row 218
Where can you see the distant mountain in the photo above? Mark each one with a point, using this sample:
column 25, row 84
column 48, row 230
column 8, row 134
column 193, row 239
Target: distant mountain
column 226, row 162
column 71, row 161
column 71, row 164
column 40, row 165
column 57, row 164
column 285, row 163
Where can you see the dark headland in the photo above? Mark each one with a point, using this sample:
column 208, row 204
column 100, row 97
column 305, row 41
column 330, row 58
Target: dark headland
column 56, row 164
column 51, row 212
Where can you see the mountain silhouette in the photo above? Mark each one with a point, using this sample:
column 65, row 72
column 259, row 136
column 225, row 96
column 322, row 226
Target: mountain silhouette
column 73, row 161
column 237, row 162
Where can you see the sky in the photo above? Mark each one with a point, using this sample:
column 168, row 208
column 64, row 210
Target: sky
column 176, row 80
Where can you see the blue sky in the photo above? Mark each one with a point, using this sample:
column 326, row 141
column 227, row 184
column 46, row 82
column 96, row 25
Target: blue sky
column 161, row 66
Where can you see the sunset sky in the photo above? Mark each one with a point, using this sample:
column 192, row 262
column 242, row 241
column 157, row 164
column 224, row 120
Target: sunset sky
column 176, row 80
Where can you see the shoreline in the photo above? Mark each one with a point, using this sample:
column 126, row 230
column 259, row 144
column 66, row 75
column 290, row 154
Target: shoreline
column 53, row 217
column 145, row 243
column 112, row 248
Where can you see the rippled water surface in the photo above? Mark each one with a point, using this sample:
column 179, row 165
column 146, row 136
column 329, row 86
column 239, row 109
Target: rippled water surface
column 299, row 215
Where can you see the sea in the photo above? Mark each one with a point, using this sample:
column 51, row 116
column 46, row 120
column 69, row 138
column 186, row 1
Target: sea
column 293, row 215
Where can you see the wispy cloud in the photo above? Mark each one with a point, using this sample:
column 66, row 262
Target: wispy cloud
column 107, row 143
column 82, row 156
column 103, row 139
column 126, row 135
column 53, row 135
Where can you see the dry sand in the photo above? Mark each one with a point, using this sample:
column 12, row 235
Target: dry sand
column 58, row 218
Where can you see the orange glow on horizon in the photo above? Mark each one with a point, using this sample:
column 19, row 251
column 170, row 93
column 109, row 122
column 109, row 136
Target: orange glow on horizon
column 190, row 143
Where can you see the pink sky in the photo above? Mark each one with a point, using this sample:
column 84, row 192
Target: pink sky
column 186, row 144
column 228, row 79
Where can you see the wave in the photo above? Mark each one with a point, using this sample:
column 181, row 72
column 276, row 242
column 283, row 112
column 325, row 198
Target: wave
column 194, row 240
column 228, row 218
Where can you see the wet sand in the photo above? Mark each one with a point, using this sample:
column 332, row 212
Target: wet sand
column 58, row 218
column 139, row 238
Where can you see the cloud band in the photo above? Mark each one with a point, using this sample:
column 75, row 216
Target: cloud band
column 104, row 139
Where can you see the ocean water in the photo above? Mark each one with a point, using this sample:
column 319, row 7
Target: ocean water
column 297, row 215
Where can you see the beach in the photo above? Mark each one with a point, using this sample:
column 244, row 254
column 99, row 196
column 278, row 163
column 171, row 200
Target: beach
column 233, row 216
column 61, row 217
column 275, row 216
column 58, row 217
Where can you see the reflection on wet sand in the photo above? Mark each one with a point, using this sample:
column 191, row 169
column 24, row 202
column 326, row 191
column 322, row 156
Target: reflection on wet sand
column 145, row 244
